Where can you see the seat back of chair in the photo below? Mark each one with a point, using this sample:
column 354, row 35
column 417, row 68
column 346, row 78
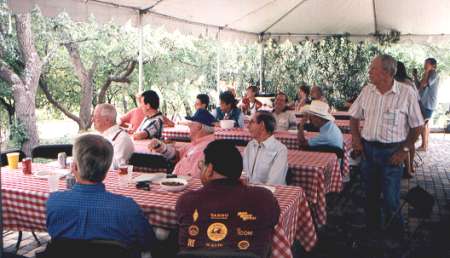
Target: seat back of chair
column 58, row 248
column 421, row 201
column 4, row 159
column 144, row 162
column 199, row 253
column 327, row 148
column 50, row 151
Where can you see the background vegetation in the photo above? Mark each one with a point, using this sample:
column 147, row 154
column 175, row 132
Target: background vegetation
column 179, row 67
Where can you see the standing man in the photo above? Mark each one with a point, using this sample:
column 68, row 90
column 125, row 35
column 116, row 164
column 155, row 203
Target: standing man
column 428, row 88
column 265, row 158
column 392, row 123
column 104, row 120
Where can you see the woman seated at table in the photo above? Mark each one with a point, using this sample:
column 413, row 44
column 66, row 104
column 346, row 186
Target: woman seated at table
column 250, row 104
column 285, row 118
column 302, row 98
column 228, row 109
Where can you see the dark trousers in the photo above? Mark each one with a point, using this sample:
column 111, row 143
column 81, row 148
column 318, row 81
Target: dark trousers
column 380, row 177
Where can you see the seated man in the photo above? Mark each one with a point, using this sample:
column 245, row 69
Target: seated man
column 152, row 125
column 201, row 133
column 226, row 214
column 88, row 211
column 104, row 120
column 317, row 94
column 228, row 109
column 285, row 118
column 202, row 101
column 134, row 117
column 265, row 158
column 329, row 134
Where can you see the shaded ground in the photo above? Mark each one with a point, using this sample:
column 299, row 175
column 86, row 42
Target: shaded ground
column 345, row 236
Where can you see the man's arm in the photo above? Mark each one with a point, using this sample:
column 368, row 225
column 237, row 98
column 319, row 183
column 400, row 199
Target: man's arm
column 356, row 137
column 301, row 134
column 399, row 156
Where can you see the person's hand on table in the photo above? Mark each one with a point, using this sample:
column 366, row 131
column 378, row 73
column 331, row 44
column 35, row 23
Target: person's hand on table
column 398, row 157
column 156, row 146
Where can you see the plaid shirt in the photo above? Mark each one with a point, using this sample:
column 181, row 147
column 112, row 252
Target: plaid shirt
column 389, row 116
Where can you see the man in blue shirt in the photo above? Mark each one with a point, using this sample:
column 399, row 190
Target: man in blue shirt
column 428, row 89
column 88, row 211
column 329, row 134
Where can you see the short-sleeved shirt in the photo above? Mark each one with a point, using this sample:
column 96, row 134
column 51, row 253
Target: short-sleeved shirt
column 190, row 155
column 122, row 144
column 429, row 93
column 329, row 134
column 133, row 117
column 285, row 120
column 387, row 117
column 152, row 125
column 90, row 212
column 225, row 214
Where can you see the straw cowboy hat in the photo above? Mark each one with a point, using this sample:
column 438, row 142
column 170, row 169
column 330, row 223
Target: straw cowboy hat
column 318, row 108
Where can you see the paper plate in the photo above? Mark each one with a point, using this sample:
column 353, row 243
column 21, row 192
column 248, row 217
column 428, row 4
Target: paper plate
column 149, row 177
column 44, row 174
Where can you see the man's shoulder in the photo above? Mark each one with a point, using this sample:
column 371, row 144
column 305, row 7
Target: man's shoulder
column 277, row 145
column 406, row 90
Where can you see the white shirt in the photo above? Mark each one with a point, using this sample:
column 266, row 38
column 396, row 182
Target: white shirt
column 123, row 145
column 266, row 163
column 389, row 116
column 285, row 120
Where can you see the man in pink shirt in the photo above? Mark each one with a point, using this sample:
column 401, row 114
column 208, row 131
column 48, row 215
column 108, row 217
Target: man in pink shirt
column 134, row 117
column 201, row 132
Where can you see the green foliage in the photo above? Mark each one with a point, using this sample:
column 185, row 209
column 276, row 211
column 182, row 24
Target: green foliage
column 18, row 135
column 336, row 64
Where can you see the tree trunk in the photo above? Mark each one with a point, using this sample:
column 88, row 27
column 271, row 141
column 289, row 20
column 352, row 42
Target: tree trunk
column 24, row 87
column 87, row 88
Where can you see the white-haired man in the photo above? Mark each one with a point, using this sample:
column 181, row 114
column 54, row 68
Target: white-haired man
column 104, row 120
column 201, row 132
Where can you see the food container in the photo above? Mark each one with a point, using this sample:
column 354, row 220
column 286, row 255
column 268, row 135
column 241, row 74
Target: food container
column 173, row 184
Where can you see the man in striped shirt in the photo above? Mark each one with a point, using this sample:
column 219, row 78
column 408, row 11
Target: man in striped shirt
column 392, row 123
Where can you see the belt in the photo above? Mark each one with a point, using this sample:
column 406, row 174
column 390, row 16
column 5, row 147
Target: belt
column 382, row 145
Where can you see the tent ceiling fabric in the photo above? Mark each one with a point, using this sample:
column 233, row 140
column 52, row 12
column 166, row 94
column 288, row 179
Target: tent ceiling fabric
column 246, row 19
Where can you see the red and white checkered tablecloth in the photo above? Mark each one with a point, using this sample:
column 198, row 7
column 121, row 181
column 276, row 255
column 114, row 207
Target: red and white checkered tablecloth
column 289, row 139
column 176, row 133
column 24, row 198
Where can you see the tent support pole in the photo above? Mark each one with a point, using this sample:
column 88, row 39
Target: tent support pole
column 141, row 54
column 261, row 62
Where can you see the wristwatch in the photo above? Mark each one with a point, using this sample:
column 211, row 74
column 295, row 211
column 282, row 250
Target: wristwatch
column 405, row 149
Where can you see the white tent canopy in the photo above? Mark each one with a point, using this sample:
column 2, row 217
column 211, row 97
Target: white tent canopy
column 248, row 19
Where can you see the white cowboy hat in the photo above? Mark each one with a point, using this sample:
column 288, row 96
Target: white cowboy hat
column 320, row 109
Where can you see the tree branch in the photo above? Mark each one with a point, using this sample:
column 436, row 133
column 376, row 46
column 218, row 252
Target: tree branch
column 7, row 74
column 44, row 87
column 122, row 77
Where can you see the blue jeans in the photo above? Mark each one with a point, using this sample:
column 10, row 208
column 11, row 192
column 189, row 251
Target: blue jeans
column 379, row 176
